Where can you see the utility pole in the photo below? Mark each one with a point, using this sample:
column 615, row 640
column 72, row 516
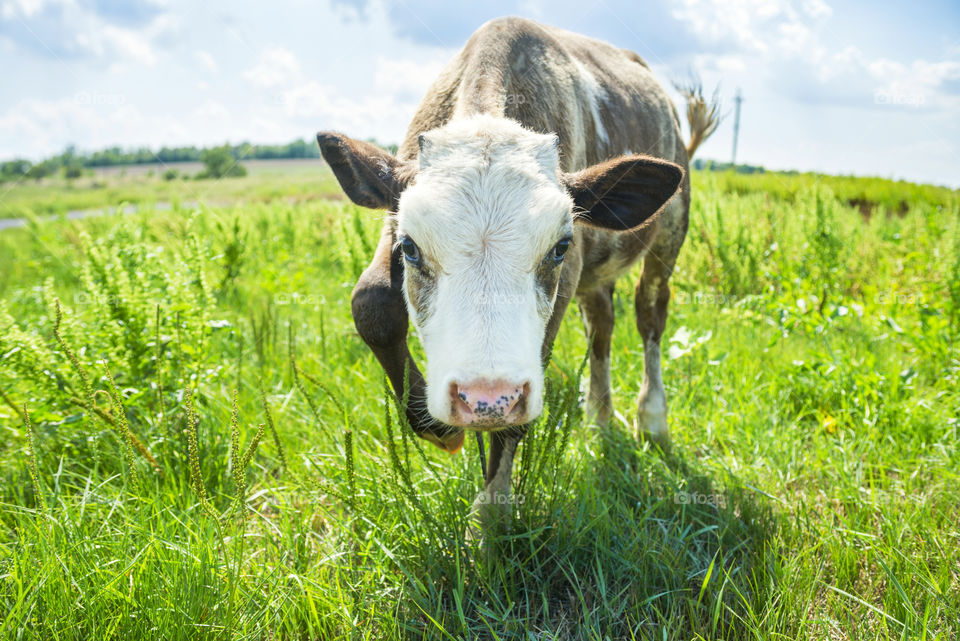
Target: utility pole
column 736, row 126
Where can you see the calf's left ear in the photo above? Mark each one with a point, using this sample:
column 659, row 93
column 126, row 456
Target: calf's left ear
column 622, row 193
column 370, row 176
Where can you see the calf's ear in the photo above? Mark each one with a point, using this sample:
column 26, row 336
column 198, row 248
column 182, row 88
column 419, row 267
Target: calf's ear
column 369, row 175
column 622, row 193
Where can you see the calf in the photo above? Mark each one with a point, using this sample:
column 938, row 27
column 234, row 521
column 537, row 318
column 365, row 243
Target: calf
column 520, row 184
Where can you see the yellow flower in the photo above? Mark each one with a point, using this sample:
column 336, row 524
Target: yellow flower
column 828, row 423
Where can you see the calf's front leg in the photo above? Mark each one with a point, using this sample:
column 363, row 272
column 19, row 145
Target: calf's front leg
column 597, row 306
column 651, row 302
column 493, row 506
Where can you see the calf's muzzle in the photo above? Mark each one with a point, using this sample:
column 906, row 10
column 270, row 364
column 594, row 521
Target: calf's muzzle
column 488, row 405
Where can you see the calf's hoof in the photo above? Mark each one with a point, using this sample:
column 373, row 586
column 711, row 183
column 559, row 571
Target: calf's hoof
column 599, row 412
column 490, row 514
column 652, row 426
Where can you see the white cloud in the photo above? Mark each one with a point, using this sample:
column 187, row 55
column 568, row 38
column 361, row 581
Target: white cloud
column 406, row 75
column 40, row 128
column 755, row 26
column 129, row 44
column 797, row 40
column 783, row 39
column 319, row 106
column 119, row 34
column 207, row 61
column 915, row 85
column 740, row 23
column 44, row 126
column 817, row 9
column 291, row 99
column 148, row 80
column 711, row 63
column 211, row 110
column 10, row 9
column 276, row 67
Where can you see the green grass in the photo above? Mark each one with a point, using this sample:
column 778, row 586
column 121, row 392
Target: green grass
column 811, row 492
column 144, row 186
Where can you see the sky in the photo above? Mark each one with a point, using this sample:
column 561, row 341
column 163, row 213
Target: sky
column 866, row 88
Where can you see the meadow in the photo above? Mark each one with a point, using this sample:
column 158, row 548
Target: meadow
column 197, row 445
column 146, row 186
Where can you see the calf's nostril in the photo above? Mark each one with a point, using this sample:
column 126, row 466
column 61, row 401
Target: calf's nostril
column 458, row 397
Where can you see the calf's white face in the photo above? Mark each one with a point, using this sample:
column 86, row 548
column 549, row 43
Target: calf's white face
column 483, row 230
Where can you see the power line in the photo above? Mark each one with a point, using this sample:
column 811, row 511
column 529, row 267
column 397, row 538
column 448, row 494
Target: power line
column 736, row 126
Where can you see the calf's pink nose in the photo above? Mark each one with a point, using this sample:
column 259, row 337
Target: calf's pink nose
column 488, row 402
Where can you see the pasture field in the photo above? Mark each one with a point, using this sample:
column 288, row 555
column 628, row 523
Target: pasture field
column 812, row 489
column 144, row 186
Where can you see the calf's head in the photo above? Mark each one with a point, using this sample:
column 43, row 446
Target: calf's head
column 484, row 221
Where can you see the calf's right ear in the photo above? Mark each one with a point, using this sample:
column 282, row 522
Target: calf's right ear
column 369, row 175
column 623, row 193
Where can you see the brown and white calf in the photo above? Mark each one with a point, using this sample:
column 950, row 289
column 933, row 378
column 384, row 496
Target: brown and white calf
column 541, row 165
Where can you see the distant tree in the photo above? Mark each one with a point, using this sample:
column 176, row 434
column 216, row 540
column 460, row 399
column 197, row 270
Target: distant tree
column 41, row 170
column 68, row 156
column 14, row 169
column 72, row 171
column 711, row 165
column 220, row 162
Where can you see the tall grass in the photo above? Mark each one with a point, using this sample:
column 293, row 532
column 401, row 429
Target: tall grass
column 199, row 445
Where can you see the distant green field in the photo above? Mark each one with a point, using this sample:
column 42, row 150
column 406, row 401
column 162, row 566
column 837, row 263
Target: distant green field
column 812, row 490
column 145, row 185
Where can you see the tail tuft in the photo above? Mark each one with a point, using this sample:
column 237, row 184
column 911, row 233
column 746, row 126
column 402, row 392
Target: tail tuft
column 702, row 115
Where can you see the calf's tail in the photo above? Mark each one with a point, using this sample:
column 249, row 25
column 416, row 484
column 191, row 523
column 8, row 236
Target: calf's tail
column 703, row 115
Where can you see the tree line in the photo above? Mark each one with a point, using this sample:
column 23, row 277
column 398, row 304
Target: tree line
column 73, row 163
column 222, row 158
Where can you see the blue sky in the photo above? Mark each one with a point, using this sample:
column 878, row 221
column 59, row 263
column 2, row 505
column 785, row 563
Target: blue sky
column 841, row 87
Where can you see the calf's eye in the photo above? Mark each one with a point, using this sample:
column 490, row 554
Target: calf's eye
column 410, row 251
column 560, row 249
